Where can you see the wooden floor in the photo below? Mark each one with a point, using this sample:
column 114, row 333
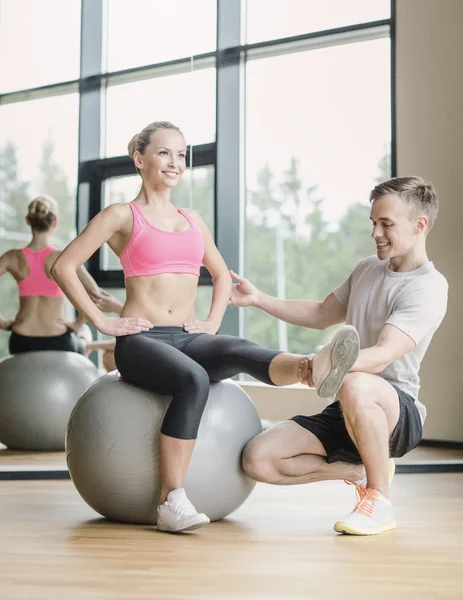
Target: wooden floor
column 278, row 545
column 56, row 459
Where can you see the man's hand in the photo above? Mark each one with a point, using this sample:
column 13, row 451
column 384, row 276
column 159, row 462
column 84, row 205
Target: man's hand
column 243, row 293
column 305, row 372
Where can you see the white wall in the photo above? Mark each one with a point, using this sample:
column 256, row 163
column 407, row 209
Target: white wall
column 429, row 69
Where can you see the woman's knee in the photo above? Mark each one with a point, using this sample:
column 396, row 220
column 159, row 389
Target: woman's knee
column 194, row 380
column 188, row 402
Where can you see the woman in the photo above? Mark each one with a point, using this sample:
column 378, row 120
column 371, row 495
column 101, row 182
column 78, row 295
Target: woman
column 40, row 323
column 160, row 345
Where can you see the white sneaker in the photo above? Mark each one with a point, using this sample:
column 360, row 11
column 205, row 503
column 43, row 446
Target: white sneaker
column 331, row 362
column 178, row 514
column 372, row 515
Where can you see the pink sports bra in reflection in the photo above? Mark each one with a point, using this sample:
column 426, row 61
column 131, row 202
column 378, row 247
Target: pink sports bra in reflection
column 37, row 283
column 153, row 251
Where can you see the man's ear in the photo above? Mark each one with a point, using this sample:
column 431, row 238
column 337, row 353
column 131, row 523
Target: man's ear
column 421, row 224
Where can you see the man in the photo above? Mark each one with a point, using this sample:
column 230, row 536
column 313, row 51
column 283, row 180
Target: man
column 396, row 300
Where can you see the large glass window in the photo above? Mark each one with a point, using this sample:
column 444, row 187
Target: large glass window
column 312, row 156
column 187, row 100
column 295, row 17
column 317, row 127
column 39, row 42
column 143, row 32
column 38, row 145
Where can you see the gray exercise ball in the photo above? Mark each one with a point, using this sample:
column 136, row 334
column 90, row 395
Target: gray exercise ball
column 38, row 391
column 112, row 450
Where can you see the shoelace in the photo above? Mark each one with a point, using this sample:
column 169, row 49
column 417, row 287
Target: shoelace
column 182, row 508
column 360, row 490
column 366, row 506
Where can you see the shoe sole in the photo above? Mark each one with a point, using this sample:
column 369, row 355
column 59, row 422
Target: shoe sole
column 192, row 527
column 346, row 348
column 342, row 527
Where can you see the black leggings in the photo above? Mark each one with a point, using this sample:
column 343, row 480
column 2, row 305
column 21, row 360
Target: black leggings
column 67, row 342
column 170, row 361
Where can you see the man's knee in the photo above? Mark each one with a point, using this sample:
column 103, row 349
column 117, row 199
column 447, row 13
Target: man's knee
column 354, row 390
column 257, row 461
column 362, row 393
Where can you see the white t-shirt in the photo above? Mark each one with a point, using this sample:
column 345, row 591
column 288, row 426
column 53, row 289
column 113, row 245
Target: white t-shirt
column 414, row 302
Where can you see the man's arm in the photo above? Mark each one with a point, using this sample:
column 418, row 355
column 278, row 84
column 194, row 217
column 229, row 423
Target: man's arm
column 392, row 343
column 305, row 313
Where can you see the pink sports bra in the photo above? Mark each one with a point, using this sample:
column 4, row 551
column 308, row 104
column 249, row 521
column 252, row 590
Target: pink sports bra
column 153, row 251
column 37, row 283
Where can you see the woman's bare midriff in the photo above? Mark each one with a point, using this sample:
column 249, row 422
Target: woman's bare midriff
column 40, row 316
column 164, row 300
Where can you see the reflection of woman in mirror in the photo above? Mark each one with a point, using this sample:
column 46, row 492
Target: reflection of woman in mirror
column 160, row 344
column 40, row 322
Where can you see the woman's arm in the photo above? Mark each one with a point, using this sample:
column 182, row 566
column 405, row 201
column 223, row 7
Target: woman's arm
column 92, row 289
column 90, row 285
column 5, row 262
column 64, row 271
column 108, row 303
column 221, row 280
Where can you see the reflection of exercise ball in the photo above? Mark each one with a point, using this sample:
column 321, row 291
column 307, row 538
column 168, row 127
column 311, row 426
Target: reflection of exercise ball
column 38, row 391
column 112, row 448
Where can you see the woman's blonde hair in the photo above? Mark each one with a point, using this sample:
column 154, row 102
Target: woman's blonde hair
column 42, row 212
column 141, row 140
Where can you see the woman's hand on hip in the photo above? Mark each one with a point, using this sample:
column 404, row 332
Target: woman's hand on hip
column 5, row 324
column 123, row 326
column 205, row 326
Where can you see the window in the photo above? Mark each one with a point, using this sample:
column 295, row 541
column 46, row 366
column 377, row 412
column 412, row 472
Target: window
column 187, row 100
column 143, row 32
column 312, row 157
column 39, row 156
column 295, row 17
column 39, row 43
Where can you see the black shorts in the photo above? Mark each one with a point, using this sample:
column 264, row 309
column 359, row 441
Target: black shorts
column 68, row 342
column 329, row 427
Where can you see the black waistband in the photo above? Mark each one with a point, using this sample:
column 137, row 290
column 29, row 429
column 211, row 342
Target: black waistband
column 165, row 329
